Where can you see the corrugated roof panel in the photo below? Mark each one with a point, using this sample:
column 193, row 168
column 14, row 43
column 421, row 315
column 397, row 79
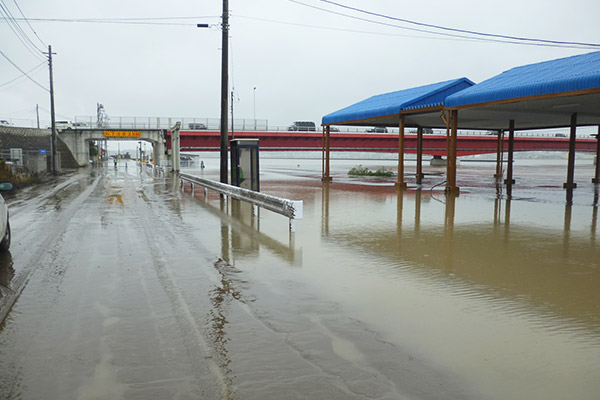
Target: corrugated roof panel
column 392, row 103
column 556, row 76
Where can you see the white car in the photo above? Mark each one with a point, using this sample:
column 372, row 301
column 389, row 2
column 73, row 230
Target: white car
column 62, row 125
column 4, row 122
column 4, row 222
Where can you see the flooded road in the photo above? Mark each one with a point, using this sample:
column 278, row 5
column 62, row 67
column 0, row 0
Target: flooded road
column 129, row 287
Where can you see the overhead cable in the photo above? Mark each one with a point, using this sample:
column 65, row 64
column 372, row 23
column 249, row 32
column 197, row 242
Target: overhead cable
column 23, row 72
column 439, row 36
column 23, row 75
column 28, row 24
column 476, row 33
column 19, row 32
column 128, row 20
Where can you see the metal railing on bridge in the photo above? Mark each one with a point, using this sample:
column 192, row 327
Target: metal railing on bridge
column 263, row 125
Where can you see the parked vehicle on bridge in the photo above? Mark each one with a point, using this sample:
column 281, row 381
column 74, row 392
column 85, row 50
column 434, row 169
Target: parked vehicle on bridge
column 4, row 221
column 62, row 125
column 196, row 126
column 79, row 125
column 302, row 126
column 378, row 129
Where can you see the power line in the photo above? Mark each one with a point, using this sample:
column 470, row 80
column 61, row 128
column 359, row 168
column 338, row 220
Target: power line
column 28, row 24
column 440, row 37
column 476, row 33
column 126, row 21
column 23, row 75
column 23, row 72
column 18, row 31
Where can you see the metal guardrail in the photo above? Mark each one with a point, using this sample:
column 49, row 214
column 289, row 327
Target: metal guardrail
column 293, row 209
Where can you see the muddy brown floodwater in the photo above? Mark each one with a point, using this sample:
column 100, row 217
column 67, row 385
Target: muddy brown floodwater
column 127, row 286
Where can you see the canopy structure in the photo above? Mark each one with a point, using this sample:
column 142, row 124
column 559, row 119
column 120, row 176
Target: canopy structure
column 557, row 93
column 385, row 109
column 535, row 96
column 417, row 107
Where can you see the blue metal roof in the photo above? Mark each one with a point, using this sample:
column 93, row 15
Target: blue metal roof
column 393, row 103
column 556, row 76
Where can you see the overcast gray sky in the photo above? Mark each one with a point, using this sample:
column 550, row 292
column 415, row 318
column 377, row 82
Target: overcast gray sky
column 304, row 62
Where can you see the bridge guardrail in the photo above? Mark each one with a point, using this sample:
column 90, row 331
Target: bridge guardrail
column 293, row 209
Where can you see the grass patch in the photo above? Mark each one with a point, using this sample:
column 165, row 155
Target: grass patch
column 359, row 170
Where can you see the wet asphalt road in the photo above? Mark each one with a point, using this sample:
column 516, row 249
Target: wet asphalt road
column 124, row 290
column 98, row 313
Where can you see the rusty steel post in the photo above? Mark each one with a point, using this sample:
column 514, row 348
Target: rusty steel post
column 323, row 153
column 570, row 183
column 509, row 181
column 451, row 162
column 597, row 175
column 499, row 150
column 326, row 176
column 400, row 183
column 419, row 156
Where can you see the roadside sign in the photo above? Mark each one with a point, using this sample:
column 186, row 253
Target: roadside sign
column 124, row 134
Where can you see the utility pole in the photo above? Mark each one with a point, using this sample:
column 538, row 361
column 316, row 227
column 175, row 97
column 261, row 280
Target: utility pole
column 37, row 112
column 224, row 89
column 52, row 117
column 232, row 119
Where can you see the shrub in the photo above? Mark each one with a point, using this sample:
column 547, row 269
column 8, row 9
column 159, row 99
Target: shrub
column 359, row 170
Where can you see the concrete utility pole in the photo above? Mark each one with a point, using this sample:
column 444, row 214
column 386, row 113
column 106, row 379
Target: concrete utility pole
column 232, row 119
column 224, row 89
column 52, row 117
column 175, row 148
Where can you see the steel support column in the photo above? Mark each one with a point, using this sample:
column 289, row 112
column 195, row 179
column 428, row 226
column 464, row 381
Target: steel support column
column 499, row 151
column 570, row 183
column 326, row 176
column 419, row 156
column 451, row 162
column 597, row 175
column 509, row 181
column 400, row 183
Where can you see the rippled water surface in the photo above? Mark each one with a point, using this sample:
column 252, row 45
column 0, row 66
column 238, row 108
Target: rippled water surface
column 500, row 293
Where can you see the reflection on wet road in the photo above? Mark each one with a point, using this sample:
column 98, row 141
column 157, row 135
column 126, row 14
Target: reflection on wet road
column 127, row 286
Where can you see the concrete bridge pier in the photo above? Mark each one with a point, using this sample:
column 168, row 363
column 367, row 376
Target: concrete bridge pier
column 77, row 140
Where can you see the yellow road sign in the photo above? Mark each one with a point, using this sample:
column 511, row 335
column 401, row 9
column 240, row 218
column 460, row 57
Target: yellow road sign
column 124, row 134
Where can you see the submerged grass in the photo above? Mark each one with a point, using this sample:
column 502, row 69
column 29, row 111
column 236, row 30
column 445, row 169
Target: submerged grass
column 359, row 170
